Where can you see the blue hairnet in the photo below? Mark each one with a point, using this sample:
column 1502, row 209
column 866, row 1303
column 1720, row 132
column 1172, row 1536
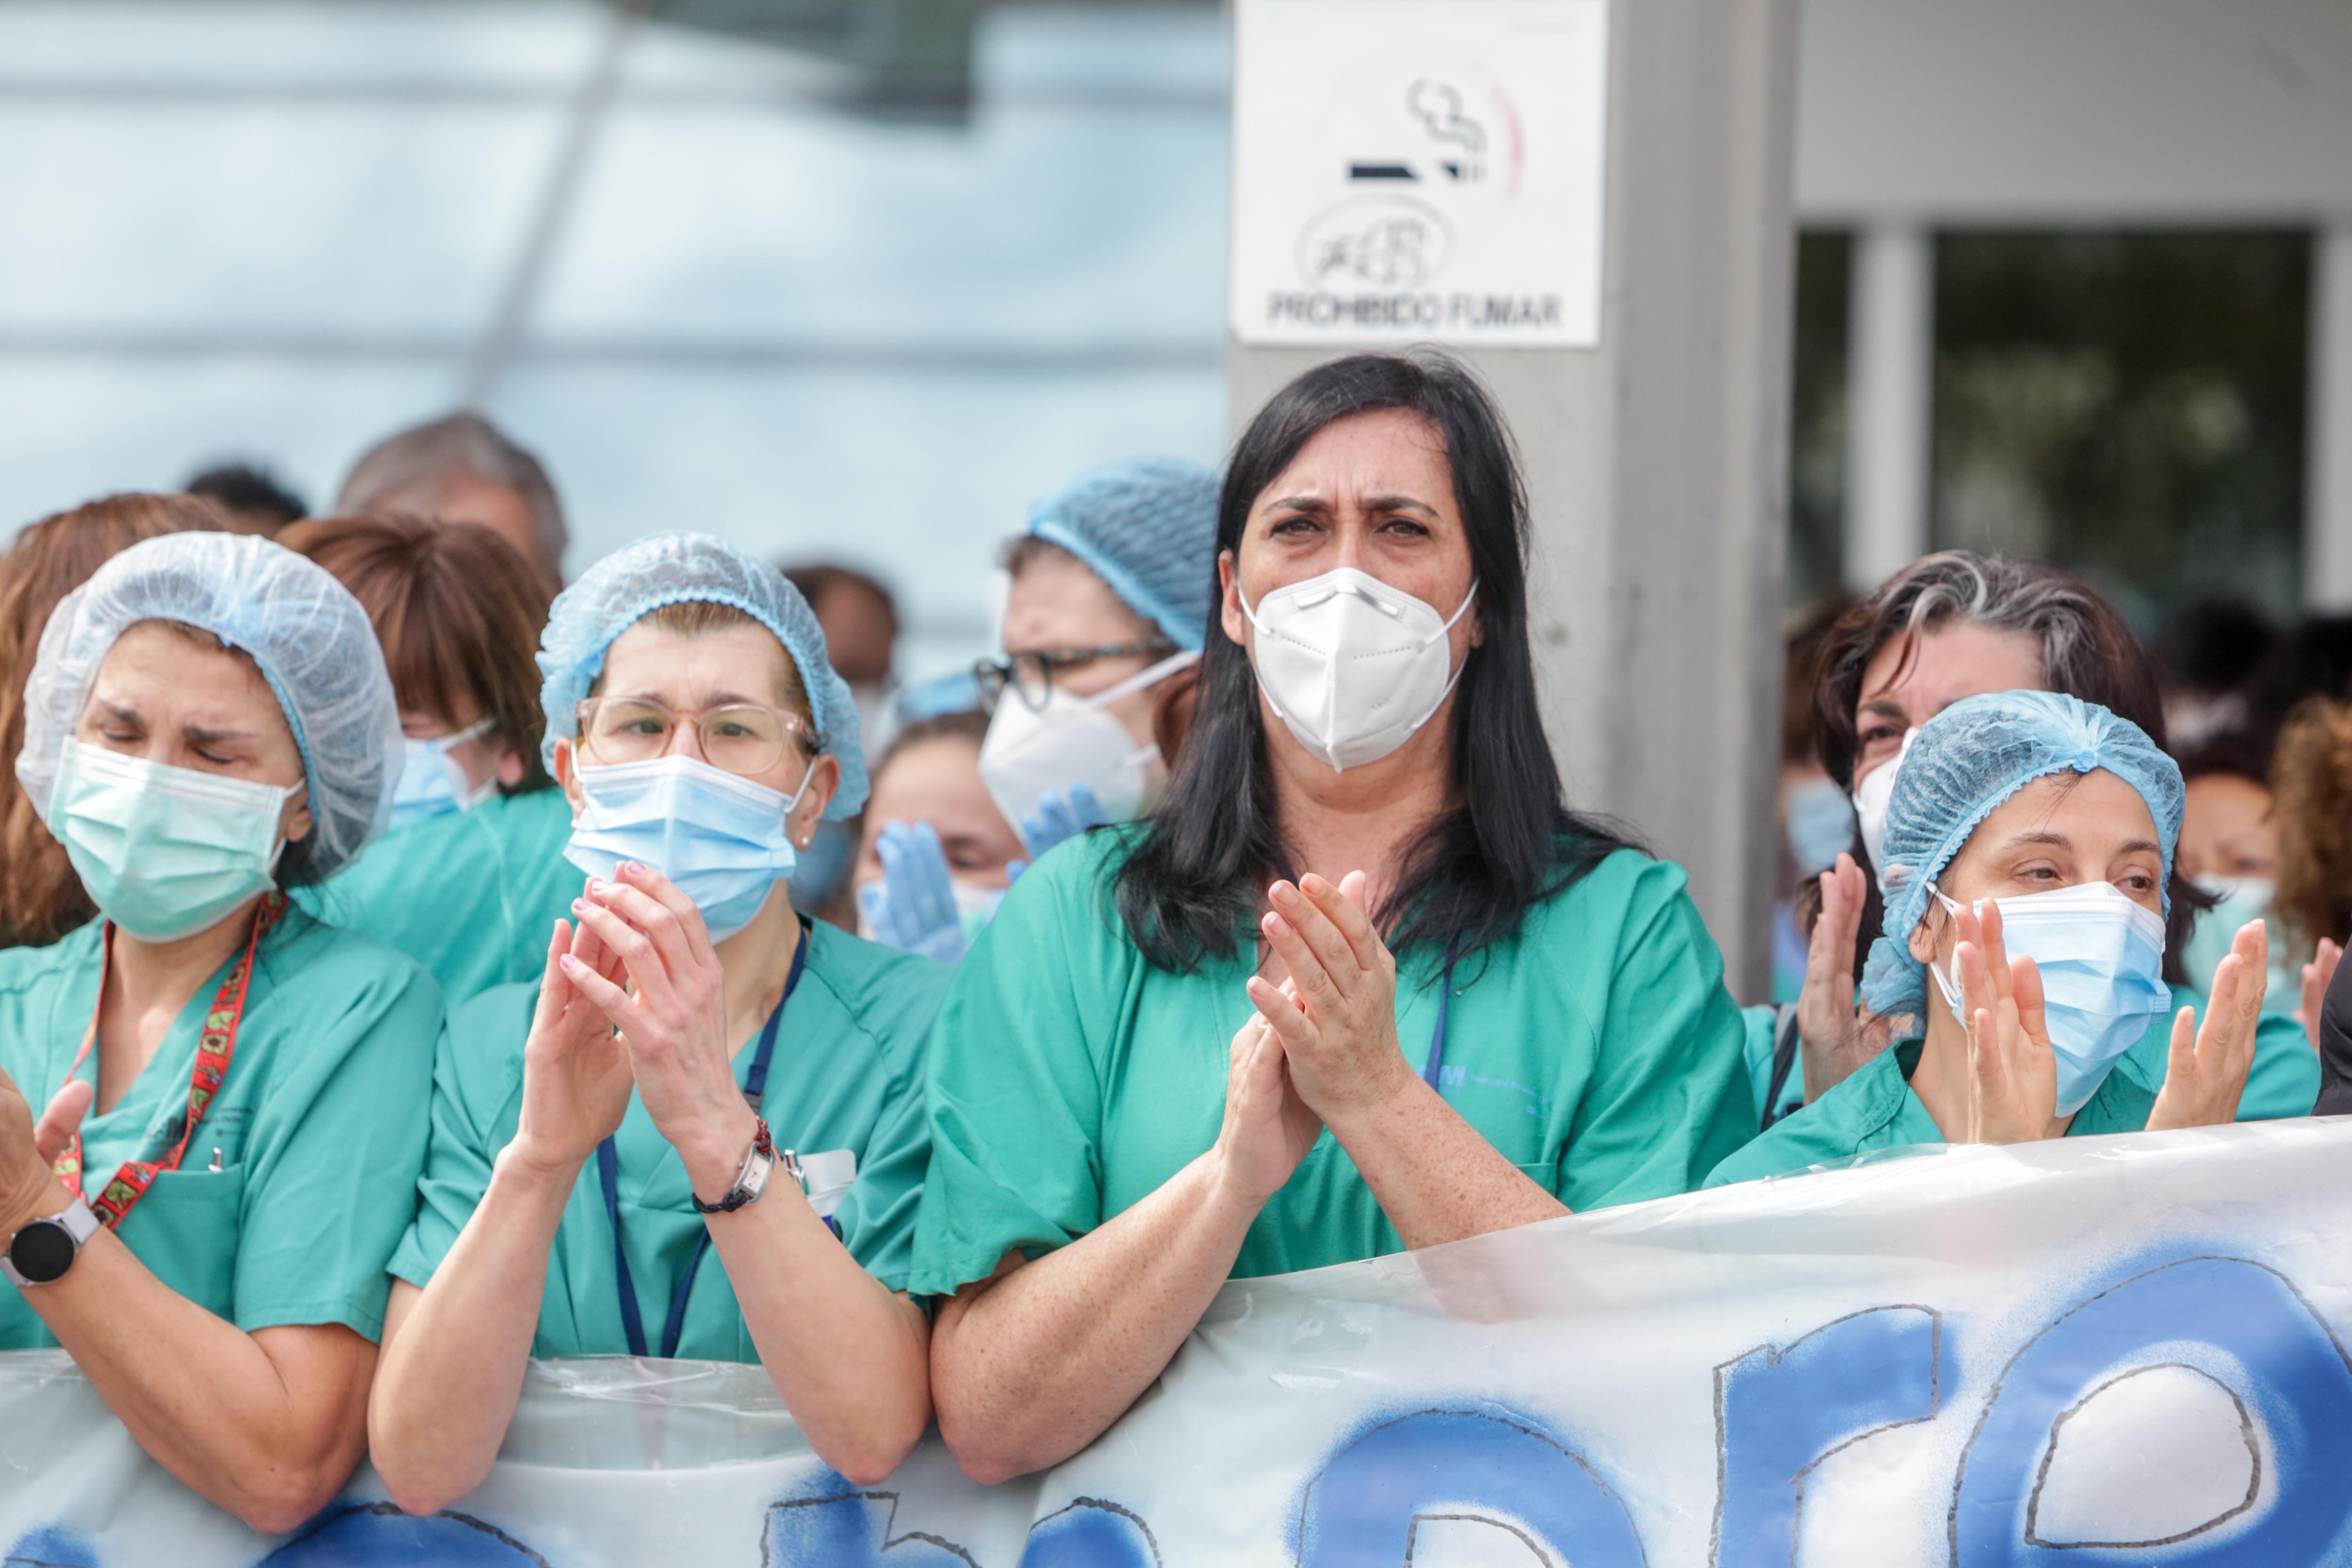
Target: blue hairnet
column 311, row 639
column 683, row 569
column 1149, row 527
column 1968, row 760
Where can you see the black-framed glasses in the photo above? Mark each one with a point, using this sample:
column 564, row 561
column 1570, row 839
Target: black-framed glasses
column 1031, row 674
column 741, row 737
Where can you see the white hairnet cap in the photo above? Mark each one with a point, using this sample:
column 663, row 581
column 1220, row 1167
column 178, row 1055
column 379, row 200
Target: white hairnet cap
column 689, row 569
column 311, row 638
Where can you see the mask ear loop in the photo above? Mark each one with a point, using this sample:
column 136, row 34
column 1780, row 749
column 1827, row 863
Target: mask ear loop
column 1455, row 679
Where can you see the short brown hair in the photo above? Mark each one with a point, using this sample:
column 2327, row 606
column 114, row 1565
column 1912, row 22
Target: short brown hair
column 2311, row 795
column 41, row 899
column 416, row 467
column 458, row 611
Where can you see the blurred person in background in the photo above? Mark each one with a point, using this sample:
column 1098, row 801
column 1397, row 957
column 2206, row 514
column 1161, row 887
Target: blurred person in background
column 600, row 1132
column 2230, row 849
column 236, row 1095
column 861, row 637
column 252, row 496
column 931, row 828
column 470, row 876
column 461, row 469
column 1953, row 625
column 2028, row 850
column 2312, row 659
column 2210, row 653
column 41, row 899
column 2311, row 779
column 1106, row 601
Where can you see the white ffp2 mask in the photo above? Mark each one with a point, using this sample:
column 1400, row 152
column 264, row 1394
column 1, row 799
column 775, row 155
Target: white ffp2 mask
column 1351, row 665
column 1030, row 752
column 1874, row 795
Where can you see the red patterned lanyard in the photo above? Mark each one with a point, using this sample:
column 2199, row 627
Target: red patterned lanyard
column 214, row 1049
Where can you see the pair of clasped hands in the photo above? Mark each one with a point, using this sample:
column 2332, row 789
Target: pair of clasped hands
column 1321, row 1049
column 634, row 996
column 2014, row 1075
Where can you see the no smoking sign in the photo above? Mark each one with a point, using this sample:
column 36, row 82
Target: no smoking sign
column 1419, row 170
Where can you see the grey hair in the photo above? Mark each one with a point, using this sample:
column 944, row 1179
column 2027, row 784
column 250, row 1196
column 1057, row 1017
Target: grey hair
column 2085, row 649
column 411, row 470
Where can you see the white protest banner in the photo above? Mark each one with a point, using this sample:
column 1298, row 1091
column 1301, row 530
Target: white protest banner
column 2095, row 1351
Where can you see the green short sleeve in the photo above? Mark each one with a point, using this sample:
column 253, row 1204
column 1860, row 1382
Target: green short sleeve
column 329, row 1179
column 1016, row 1099
column 476, row 1073
column 1872, row 1108
column 1670, row 1097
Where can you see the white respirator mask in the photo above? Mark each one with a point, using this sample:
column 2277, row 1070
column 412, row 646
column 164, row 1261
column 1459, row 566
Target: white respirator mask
column 1351, row 665
column 1031, row 752
column 1874, row 795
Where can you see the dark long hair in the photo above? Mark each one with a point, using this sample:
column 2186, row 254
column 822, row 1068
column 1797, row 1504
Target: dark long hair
column 1213, row 844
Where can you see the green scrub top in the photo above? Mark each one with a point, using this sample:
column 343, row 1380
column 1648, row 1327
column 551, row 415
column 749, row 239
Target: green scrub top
column 319, row 1126
column 471, row 895
column 1595, row 1047
column 846, row 1075
column 2282, row 1080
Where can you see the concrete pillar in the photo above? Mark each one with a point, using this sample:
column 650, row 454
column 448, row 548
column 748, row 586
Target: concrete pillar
column 1656, row 462
column 1890, row 400
column 2328, row 517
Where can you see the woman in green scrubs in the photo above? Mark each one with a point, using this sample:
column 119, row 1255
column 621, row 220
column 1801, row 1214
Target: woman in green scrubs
column 470, row 875
column 236, row 1095
column 1951, row 625
column 1359, row 983
column 2028, row 858
column 700, row 1133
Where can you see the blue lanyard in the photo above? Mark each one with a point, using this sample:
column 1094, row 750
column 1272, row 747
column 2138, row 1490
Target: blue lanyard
column 608, row 1172
column 1431, row 1068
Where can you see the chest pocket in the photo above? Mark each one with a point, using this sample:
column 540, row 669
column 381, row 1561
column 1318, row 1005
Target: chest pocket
column 186, row 1229
column 829, row 1176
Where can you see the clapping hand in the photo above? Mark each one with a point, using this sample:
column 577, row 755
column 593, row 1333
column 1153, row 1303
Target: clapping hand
column 2012, row 1072
column 1336, row 1018
column 672, row 1018
column 1835, row 1035
column 2317, row 976
column 913, row 907
column 2206, row 1072
column 575, row 1074
column 1267, row 1128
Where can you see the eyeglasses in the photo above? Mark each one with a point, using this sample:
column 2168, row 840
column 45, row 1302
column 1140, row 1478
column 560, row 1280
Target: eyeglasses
column 1031, row 674
column 741, row 737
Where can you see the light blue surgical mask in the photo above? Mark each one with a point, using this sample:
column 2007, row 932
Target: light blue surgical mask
column 431, row 783
column 1820, row 823
column 164, row 852
column 2102, row 961
column 721, row 838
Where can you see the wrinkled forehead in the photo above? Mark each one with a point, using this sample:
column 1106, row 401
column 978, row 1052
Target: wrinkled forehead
column 744, row 662
column 167, row 674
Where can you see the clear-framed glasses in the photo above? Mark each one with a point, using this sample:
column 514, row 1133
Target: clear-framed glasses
column 1031, row 674
column 741, row 737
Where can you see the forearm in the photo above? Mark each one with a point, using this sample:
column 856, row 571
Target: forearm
column 455, row 1353
column 204, row 1398
column 1437, row 1177
column 1028, row 1370
column 851, row 1359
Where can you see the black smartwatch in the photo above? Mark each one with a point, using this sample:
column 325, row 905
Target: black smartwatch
column 47, row 1247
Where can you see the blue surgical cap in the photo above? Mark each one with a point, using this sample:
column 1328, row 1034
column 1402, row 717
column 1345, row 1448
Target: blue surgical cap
column 1149, row 527
column 1968, row 760
column 684, row 569
column 311, row 639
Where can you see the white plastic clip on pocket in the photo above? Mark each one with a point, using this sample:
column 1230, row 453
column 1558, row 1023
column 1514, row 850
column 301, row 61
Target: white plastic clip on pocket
column 829, row 1175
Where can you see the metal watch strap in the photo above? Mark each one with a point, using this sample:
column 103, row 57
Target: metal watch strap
column 77, row 1220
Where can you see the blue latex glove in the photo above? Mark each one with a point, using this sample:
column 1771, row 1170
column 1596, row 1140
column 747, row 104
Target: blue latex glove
column 1061, row 816
column 913, row 907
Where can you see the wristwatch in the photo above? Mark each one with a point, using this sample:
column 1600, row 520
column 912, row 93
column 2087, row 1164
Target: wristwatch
column 751, row 1176
column 43, row 1250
